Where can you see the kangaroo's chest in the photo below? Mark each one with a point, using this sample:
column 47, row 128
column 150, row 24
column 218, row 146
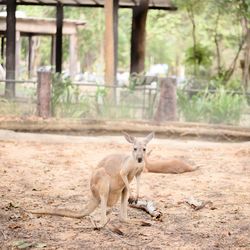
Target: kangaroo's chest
column 136, row 169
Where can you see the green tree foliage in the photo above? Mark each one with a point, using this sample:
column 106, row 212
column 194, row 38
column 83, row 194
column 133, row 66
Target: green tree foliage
column 200, row 55
column 216, row 25
column 90, row 38
column 206, row 36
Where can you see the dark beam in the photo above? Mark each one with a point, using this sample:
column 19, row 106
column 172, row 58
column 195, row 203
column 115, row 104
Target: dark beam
column 10, row 48
column 52, row 51
column 59, row 41
column 44, row 2
column 30, row 55
column 100, row 5
column 2, row 50
column 137, row 53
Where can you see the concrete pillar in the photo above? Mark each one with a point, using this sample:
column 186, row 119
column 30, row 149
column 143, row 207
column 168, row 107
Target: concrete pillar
column 166, row 110
column 44, row 93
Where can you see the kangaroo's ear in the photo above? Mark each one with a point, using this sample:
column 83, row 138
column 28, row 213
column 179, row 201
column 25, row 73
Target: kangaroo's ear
column 129, row 138
column 149, row 137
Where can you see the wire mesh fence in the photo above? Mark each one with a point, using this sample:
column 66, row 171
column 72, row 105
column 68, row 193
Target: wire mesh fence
column 83, row 100
column 92, row 100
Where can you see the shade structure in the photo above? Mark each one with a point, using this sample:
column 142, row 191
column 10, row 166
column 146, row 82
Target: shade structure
column 140, row 8
column 153, row 4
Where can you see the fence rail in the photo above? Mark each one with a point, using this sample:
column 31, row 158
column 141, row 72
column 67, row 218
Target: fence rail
column 195, row 91
column 132, row 102
column 86, row 100
column 19, row 81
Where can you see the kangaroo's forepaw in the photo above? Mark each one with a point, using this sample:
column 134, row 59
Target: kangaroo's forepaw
column 136, row 199
column 132, row 199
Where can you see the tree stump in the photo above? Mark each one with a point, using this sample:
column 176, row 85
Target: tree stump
column 166, row 110
column 44, row 93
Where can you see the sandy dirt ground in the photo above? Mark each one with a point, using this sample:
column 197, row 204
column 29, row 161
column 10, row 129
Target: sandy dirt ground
column 44, row 171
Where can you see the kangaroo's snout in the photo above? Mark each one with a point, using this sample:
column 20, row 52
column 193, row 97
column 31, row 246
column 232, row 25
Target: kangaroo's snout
column 139, row 160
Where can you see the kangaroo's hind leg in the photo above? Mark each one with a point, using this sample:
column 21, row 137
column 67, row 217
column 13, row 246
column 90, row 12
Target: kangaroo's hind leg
column 91, row 205
column 103, row 190
column 104, row 200
column 124, row 205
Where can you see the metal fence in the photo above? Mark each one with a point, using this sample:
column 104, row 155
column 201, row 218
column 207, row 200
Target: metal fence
column 85, row 100
column 89, row 100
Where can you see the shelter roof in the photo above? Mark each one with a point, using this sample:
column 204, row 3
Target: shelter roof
column 153, row 4
column 42, row 26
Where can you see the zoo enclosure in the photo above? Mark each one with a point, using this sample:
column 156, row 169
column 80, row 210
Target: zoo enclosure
column 83, row 99
column 87, row 99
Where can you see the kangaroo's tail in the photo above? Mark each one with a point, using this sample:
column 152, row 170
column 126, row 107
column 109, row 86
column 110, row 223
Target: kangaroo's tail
column 90, row 207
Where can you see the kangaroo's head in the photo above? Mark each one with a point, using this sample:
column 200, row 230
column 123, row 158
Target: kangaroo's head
column 139, row 146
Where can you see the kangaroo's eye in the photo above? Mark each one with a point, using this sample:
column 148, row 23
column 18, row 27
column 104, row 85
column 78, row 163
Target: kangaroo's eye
column 144, row 149
column 135, row 149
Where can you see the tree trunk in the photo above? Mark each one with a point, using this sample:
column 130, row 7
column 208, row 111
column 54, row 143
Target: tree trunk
column 231, row 69
column 245, row 76
column 191, row 16
column 217, row 44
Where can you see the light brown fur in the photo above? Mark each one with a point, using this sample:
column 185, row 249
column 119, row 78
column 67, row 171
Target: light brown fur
column 171, row 166
column 110, row 181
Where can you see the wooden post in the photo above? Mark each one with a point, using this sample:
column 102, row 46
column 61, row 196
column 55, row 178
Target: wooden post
column 115, row 31
column 72, row 55
column 59, row 27
column 10, row 49
column 111, row 38
column 53, row 50
column 2, row 50
column 30, row 55
column 18, row 52
column 166, row 110
column 44, row 93
column 138, row 35
column 34, row 55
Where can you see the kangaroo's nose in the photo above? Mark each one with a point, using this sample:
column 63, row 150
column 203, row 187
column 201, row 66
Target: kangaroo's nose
column 139, row 160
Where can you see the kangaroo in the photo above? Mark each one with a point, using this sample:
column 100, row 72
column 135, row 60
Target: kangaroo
column 172, row 166
column 110, row 181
